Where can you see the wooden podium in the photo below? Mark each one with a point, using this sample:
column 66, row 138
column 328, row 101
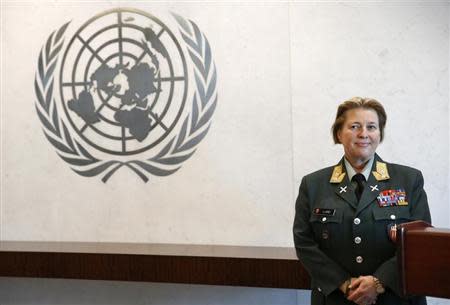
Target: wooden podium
column 423, row 254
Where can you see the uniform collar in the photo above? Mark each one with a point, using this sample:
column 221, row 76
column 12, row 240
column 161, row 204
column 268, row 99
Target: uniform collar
column 375, row 182
column 351, row 171
column 343, row 168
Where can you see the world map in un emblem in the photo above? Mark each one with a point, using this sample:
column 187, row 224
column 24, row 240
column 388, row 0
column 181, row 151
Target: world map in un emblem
column 126, row 91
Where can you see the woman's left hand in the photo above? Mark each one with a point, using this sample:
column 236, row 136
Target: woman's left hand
column 363, row 291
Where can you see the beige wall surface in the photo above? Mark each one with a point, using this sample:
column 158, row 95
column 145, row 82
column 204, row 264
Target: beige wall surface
column 282, row 68
column 235, row 189
column 394, row 52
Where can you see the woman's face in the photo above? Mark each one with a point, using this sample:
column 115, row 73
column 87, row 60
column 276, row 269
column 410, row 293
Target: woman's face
column 360, row 135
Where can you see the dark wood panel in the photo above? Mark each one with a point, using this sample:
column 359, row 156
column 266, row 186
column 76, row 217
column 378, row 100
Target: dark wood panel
column 424, row 259
column 237, row 266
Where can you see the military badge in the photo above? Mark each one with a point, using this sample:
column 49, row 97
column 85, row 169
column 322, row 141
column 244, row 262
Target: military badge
column 394, row 197
column 381, row 172
column 338, row 174
column 392, row 232
column 324, row 212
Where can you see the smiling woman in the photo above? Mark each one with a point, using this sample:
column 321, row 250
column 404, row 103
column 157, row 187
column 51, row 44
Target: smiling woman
column 359, row 129
column 344, row 217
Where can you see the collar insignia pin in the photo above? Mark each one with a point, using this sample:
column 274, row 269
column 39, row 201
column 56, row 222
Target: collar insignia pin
column 374, row 188
column 343, row 189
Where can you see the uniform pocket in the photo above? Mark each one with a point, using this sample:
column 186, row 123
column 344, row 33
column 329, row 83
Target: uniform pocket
column 326, row 227
column 323, row 218
column 396, row 213
column 386, row 219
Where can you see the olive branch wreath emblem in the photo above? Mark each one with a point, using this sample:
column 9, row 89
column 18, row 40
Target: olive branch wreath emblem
column 178, row 149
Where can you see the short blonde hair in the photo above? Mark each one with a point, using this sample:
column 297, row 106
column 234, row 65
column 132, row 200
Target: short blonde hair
column 358, row 102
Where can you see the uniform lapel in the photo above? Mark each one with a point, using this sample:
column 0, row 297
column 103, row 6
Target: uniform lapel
column 378, row 178
column 342, row 186
column 346, row 191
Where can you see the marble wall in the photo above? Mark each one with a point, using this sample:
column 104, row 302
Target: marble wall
column 393, row 52
column 282, row 68
column 241, row 173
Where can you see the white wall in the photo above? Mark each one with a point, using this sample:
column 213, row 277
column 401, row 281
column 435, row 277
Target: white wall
column 397, row 53
column 282, row 70
column 240, row 174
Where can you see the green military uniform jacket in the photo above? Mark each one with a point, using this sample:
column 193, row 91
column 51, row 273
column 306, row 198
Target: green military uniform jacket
column 337, row 238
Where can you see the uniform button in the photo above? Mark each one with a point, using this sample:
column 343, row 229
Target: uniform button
column 325, row 235
column 392, row 216
column 324, row 219
column 357, row 240
column 356, row 221
column 359, row 259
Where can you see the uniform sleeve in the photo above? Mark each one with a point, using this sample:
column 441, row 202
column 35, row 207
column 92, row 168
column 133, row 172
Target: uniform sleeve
column 326, row 274
column 387, row 273
column 419, row 204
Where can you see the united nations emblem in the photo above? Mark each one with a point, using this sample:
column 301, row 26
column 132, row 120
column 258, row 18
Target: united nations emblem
column 125, row 93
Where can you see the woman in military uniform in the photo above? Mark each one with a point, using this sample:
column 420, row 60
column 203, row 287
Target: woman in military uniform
column 344, row 214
